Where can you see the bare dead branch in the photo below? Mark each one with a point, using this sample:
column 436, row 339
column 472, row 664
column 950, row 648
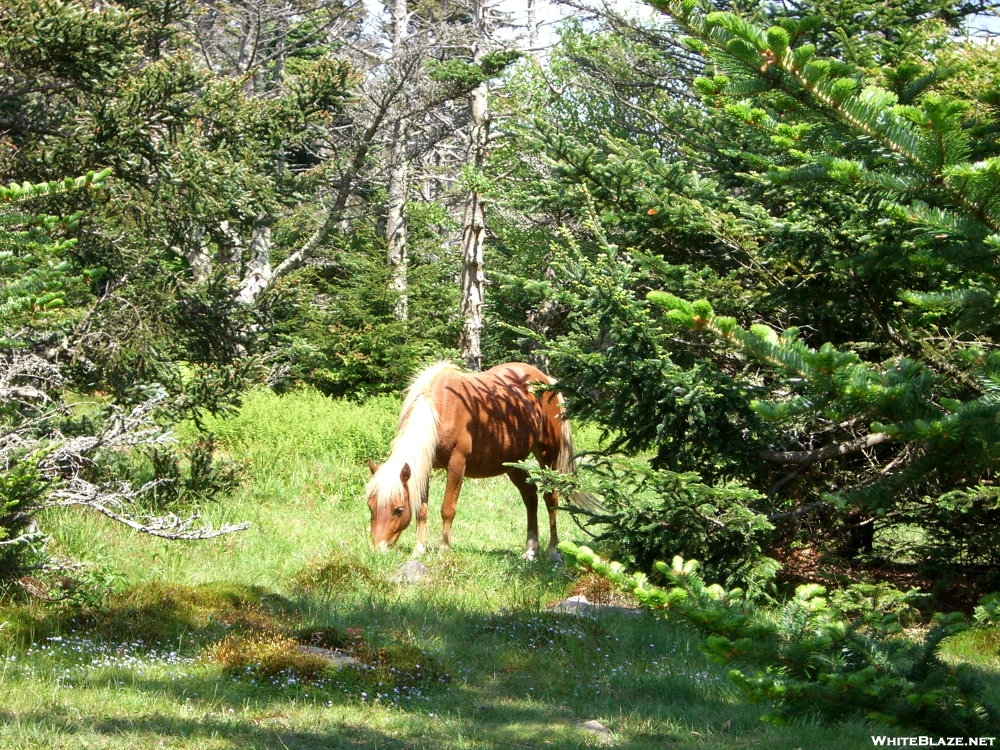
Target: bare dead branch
column 64, row 464
column 798, row 512
column 805, row 458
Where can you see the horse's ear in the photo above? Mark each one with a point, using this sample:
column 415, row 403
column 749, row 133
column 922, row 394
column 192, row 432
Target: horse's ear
column 404, row 474
column 372, row 465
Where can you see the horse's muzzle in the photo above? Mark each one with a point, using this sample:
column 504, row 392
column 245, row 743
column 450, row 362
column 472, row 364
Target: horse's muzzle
column 383, row 545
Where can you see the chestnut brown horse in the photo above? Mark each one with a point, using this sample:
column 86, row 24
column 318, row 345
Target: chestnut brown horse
column 472, row 425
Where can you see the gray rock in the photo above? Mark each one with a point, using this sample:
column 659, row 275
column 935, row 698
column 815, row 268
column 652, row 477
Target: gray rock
column 335, row 657
column 595, row 727
column 410, row 572
column 581, row 605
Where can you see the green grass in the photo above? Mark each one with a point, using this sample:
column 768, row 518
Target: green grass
column 188, row 645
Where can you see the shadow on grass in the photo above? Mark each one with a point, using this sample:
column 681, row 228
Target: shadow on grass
column 149, row 730
column 505, row 672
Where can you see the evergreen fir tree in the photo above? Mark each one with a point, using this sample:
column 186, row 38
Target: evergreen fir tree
column 926, row 418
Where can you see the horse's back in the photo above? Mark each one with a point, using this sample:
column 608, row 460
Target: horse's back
column 520, row 372
column 494, row 417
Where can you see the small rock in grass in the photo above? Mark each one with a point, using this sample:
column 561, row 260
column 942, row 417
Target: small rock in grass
column 595, row 727
column 334, row 656
column 581, row 605
column 410, row 572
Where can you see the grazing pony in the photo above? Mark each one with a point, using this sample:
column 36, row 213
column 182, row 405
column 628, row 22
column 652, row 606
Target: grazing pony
column 472, row 425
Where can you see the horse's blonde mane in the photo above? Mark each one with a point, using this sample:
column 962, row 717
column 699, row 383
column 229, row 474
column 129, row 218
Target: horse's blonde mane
column 415, row 443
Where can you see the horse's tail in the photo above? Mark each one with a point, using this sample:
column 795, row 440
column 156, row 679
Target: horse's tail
column 566, row 464
column 566, row 459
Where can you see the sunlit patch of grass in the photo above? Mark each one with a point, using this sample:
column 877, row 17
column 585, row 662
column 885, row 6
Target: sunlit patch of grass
column 305, row 424
column 977, row 651
column 979, row 646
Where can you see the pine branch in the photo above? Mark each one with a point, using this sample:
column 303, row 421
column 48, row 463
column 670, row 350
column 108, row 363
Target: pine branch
column 928, row 137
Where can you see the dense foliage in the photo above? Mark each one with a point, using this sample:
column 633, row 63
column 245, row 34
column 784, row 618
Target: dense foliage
column 41, row 291
column 811, row 200
column 225, row 163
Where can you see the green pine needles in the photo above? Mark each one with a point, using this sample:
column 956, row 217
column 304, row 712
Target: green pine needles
column 807, row 658
column 37, row 278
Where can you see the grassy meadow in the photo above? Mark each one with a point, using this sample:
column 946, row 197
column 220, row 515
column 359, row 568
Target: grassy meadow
column 195, row 645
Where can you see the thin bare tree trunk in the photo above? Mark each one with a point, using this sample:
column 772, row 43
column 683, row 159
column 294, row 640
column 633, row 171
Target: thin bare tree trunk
column 532, row 25
column 473, row 278
column 259, row 273
column 473, row 281
column 395, row 225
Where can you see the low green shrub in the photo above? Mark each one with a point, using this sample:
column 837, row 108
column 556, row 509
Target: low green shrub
column 337, row 574
column 809, row 659
column 176, row 477
column 862, row 599
column 645, row 514
column 22, row 490
column 987, row 614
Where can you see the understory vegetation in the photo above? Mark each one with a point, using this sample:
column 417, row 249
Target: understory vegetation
column 755, row 244
column 232, row 641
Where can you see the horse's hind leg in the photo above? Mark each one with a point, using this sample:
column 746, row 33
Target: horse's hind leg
column 547, row 458
column 552, row 505
column 530, row 497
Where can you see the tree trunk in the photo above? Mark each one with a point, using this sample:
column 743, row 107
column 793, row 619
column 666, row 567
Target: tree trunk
column 532, row 26
column 395, row 225
column 473, row 279
column 259, row 273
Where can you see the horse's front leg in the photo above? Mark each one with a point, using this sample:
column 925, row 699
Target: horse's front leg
column 530, row 497
column 453, row 486
column 420, row 547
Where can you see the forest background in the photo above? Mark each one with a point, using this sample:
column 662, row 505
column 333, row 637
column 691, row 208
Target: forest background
column 755, row 242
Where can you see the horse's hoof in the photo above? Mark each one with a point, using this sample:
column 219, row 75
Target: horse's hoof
column 529, row 555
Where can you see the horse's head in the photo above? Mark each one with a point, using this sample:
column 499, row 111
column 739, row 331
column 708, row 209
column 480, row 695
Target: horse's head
column 389, row 503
